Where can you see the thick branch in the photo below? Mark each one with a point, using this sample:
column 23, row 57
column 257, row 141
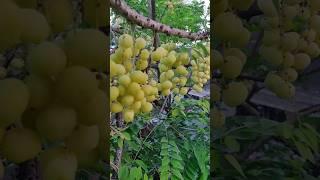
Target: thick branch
column 143, row 21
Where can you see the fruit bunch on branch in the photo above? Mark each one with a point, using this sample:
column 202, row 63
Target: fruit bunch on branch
column 288, row 44
column 140, row 76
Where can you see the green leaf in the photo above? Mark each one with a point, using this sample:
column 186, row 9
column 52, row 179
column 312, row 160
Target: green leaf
column 232, row 143
column 285, row 130
column 234, row 162
column 126, row 136
column 204, row 49
column 164, row 152
column 164, row 140
column 198, row 52
column 165, row 161
column 304, row 151
column 123, row 172
column 300, row 136
column 136, row 173
column 145, row 177
column 312, row 139
column 141, row 164
column 164, row 168
column 176, row 156
column 176, row 173
column 120, row 142
column 176, row 164
column 164, row 176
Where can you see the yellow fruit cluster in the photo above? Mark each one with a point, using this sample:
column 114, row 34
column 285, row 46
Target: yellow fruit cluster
column 174, row 74
column 284, row 48
column 131, row 90
column 200, row 67
column 60, row 102
column 230, row 60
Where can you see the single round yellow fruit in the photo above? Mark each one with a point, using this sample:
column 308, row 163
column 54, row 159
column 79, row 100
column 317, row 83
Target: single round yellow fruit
column 116, row 107
column 271, row 37
column 156, row 56
column 289, row 41
column 125, row 41
column 133, row 88
column 227, row 26
column 301, row 61
column 147, row 89
column 140, row 43
column 139, row 77
column 289, row 74
column 242, row 39
column 235, row 94
column 124, row 80
column 267, row 7
column 177, row 98
column 83, row 138
column 181, row 70
column 139, row 95
column 272, row 55
column 127, row 54
column 197, row 88
column 14, row 98
column 35, row 26
column 46, row 59
column 128, row 115
column 232, row 67
column 127, row 100
column 59, row 14
column 114, row 93
column 76, row 85
column 95, row 12
column 141, row 64
column 165, row 92
column 175, row 90
column 285, row 90
column 184, row 90
column 121, row 70
column 272, row 81
column 144, row 55
column 95, row 110
column 169, row 74
column 40, row 90
column 166, row 84
column 56, row 122
column 20, row 145
column 58, row 163
column 11, row 25
column 146, row 107
column 288, row 60
column 87, row 48
column 136, row 106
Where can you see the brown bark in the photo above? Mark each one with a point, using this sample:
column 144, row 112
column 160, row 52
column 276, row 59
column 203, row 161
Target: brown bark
column 135, row 17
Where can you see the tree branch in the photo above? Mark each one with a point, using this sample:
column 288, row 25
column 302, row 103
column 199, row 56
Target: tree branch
column 141, row 20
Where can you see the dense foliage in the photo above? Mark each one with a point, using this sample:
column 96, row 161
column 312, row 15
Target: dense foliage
column 263, row 45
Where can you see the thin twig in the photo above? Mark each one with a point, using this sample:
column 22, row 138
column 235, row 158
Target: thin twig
column 153, row 129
